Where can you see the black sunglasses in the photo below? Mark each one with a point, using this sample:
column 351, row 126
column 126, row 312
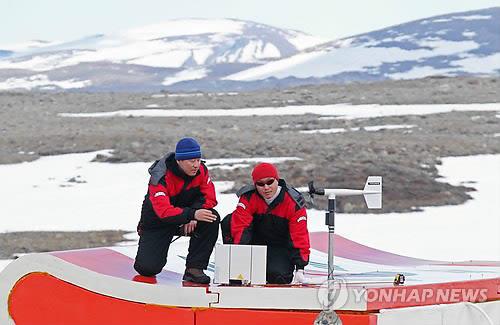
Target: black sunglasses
column 268, row 182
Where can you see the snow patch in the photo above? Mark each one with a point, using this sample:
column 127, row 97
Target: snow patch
column 188, row 74
column 337, row 111
column 372, row 128
column 40, row 62
column 281, row 65
column 270, row 51
column 231, row 93
column 473, row 17
column 469, row 34
column 486, row 64
column 201, row 55
column 41, row 80
column 442, row 20
column 303, row 41
column 388, row 127
column 167, row 59
column 186, row 95
column 469, row 17
column 442, row 32
column 444, row 47
column 338, row 60
column 324, row 131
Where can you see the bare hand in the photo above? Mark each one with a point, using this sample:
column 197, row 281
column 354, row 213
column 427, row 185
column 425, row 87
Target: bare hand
column 189, row 227
column 205, row 215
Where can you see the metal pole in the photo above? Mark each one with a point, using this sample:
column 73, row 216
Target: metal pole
column 330, row 222
column 328, row 316
column 373, row 197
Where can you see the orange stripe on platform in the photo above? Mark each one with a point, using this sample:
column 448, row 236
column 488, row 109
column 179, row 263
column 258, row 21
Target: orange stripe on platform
column 220, row 316
column 42, row 299
column 39, row 298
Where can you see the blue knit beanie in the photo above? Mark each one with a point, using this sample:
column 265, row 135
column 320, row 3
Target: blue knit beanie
column 187, row 148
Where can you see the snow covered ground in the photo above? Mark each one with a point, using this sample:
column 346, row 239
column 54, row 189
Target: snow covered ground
column 372, row 128
column 340, row 111
column 69, row 192
column 39, row 80
column 323, row 63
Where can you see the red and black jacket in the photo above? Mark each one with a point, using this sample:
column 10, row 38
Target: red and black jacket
column 173, row 196
column 282, row 223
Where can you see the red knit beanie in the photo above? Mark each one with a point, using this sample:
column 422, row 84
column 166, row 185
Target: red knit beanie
column 264, row 170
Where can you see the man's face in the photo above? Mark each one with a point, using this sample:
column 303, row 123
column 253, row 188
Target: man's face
column 190, row 166
column 267, row 187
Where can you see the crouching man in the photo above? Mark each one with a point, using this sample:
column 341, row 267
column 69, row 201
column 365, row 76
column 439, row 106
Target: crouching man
column 271, row 213
column 180, row 200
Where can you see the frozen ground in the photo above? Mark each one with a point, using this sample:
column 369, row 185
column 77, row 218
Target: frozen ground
column 340, row 111
column 69, row 192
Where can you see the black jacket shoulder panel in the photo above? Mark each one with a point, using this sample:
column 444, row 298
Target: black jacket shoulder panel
column 247, row 189
column 158, row 169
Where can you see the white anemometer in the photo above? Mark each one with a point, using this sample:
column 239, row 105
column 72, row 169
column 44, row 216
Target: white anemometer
column 372, row 193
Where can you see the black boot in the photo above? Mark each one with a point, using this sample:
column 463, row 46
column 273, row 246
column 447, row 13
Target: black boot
column 196, row 276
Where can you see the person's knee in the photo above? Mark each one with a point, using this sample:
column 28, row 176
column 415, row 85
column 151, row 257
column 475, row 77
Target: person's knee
column 147, row 269
column 279, row 278
column 214, row 226
column 225, row 227
column 210, row 229
column 216, row 222
column 217, row 214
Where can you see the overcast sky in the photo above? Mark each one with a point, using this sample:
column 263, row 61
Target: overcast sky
column 22, row 20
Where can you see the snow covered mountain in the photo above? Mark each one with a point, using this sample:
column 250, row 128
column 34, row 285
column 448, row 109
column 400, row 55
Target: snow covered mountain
column 228, row 54
column 466, row 43
column 149, row 57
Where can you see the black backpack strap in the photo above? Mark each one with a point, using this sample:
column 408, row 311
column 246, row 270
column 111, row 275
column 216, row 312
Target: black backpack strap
column 296, row 196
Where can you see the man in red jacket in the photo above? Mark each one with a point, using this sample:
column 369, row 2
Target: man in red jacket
column 271, row 213
column 180, row 200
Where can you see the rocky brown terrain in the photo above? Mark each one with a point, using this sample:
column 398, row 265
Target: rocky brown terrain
column 406, row 158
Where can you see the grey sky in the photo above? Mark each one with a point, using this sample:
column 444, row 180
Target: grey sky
column 22, row 20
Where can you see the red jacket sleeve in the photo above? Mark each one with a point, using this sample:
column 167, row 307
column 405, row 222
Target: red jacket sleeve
column 207, row 189
column 241, row 222
column 160, row 201
column 300, row 238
